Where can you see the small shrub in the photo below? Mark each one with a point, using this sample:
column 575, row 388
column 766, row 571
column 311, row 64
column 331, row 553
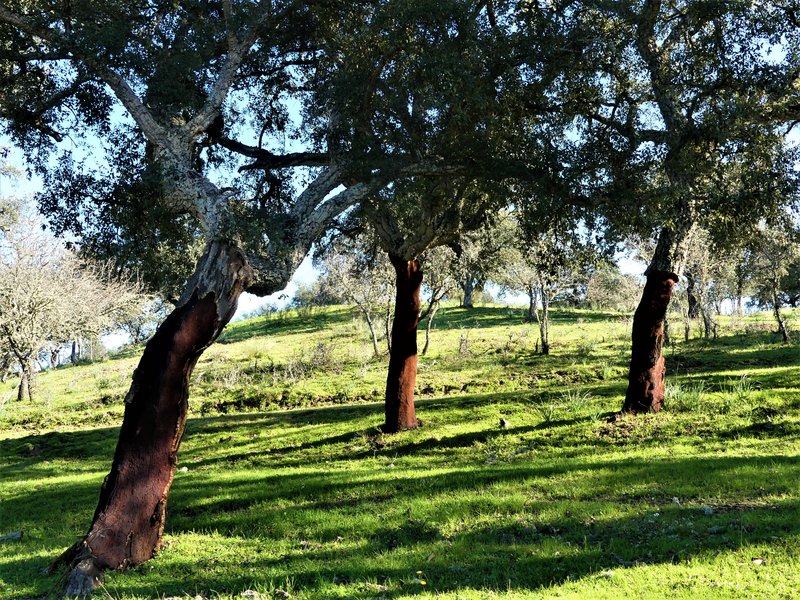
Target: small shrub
column 607, row 372
column 321, row 356
column 463, row 344
column 586, row 348
column 104, row 383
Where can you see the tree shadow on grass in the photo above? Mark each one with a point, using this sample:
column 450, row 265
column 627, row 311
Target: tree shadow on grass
column 546, row 541
column 281, row 504
column 696, row 360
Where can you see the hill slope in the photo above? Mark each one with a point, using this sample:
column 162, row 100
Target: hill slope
column 285, row 484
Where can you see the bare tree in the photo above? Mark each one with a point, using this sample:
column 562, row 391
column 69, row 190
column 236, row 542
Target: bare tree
column 360, row 275
column 439, row 284
column 49, row 297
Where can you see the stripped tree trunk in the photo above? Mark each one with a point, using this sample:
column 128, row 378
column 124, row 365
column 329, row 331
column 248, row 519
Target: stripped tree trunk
column 646, row 376
column 129, row 520
column 402, row 377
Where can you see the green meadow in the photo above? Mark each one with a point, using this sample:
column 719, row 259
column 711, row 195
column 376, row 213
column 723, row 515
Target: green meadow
column 286, row 488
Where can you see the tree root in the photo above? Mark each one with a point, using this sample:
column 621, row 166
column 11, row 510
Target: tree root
column 81, row 576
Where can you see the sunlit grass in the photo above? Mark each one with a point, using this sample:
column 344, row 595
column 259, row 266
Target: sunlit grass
column 300, row 494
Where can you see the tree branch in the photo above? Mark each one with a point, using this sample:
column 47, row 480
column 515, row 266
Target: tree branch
column 116, row 82
column 268, row 161
column 233, row 60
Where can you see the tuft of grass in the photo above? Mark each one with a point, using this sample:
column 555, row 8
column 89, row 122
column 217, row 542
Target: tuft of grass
column 684, row 397
column 737, row 395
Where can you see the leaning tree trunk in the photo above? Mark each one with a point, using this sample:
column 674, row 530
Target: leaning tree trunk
column 646, row 376
column 129, row 520
column 432, row 310
column 372, row 332
column 776, row 307
column 402, row 377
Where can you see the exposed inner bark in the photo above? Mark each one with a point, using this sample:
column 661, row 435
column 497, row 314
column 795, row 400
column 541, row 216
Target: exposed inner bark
column 402, row 378
column 646, row 378
column 129, row 520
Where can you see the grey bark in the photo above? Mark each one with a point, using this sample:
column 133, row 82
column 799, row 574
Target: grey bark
column 372, row 332
column 776, row 307
column 428, row 322
column 543, row 320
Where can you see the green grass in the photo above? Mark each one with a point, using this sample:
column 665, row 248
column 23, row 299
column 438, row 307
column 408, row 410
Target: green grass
column 289, row 486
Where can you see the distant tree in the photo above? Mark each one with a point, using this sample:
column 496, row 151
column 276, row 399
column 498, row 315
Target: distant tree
column 774, row 250
column 438, row 285
column 790, row 284
column 481, row 256
column 610, row 289
column 49, row 297
column 413, row 218
column 359, row 272
column 548, row 265
column 678, row 124
column 143, row 318
column 710, row 272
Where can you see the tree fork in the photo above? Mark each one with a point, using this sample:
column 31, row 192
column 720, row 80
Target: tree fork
column 402, row 378
column 129, row 520
column 646, row 377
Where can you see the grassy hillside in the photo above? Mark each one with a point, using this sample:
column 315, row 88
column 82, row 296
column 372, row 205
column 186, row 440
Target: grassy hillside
column 285, row 485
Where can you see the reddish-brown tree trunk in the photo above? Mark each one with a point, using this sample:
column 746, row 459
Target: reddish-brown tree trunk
column 402, row 378
column 129, row 520
column 646, row 378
